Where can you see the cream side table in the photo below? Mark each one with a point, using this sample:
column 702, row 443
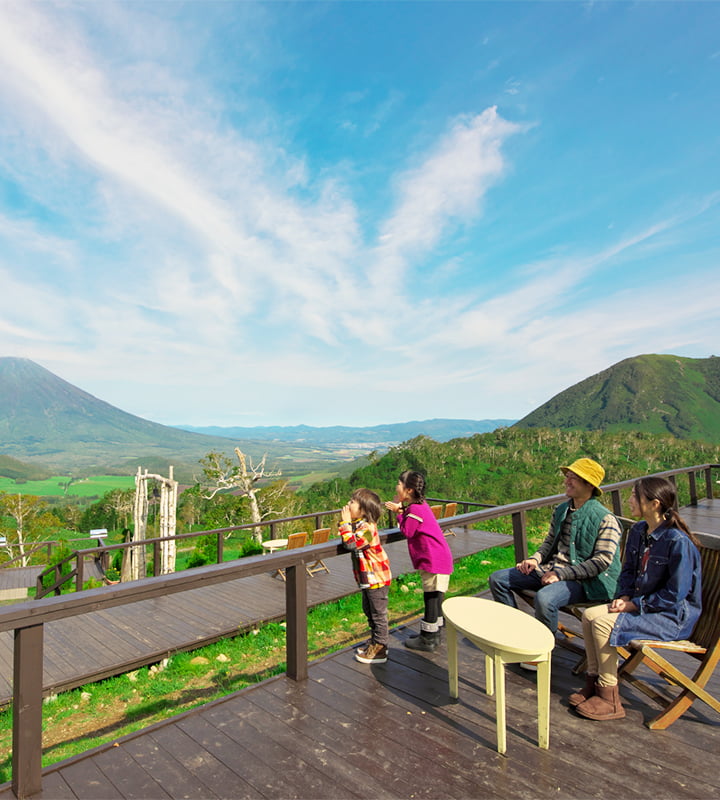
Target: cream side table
column 506, row 636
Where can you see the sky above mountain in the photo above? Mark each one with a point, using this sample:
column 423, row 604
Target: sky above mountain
column 241, row 213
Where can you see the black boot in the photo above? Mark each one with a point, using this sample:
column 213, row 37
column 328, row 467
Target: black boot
column 426, row 641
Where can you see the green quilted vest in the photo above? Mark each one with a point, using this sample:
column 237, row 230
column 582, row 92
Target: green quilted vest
column 583, row 534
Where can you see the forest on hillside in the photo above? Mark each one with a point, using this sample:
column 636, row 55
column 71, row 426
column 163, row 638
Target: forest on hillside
column 513, row 464
column 505, row 466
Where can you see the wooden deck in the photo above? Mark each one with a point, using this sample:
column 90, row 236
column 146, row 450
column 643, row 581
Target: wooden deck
column 83, row 649
column 392, row 731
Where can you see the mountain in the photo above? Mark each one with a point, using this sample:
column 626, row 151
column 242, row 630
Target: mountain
column 48, row 420
column 651, row 393
column 441, row 430
column 49, row 423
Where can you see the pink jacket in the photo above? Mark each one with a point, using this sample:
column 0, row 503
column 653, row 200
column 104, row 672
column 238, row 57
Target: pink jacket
column 427, row 546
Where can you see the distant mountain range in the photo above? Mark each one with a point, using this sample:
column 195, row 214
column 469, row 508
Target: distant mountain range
column 652, row 393
column 442, row 430
column 54, row 425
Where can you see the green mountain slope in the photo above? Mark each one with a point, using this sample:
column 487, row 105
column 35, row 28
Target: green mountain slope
column 650, row 393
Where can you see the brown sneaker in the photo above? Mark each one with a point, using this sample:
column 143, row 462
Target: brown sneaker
column 374, row 653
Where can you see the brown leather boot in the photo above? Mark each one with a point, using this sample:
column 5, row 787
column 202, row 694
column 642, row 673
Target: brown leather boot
column 604, row 704
column 587, row 691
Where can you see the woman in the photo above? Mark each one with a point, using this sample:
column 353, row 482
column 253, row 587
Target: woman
column 658, row 596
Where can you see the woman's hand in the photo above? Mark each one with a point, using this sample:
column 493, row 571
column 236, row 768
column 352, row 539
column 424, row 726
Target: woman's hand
column 620, row 604
column 392, row 506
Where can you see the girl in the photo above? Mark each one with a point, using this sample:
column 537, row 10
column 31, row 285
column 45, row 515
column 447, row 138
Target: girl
column 359, row 533
column 429, row 553
column 658, row 596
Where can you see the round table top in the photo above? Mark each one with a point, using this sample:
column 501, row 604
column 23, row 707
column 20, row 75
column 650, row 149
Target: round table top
column 274, row 544
column 497, row 625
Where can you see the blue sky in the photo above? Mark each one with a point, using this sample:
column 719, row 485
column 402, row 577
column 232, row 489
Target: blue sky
column 238, row 213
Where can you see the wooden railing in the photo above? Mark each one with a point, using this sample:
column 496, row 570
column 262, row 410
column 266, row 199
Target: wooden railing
column 76, row 574
column 27, row 620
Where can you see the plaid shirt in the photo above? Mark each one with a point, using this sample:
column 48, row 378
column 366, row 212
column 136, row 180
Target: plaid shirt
column 371, row 566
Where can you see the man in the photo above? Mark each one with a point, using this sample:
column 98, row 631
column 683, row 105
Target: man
column 578, row 561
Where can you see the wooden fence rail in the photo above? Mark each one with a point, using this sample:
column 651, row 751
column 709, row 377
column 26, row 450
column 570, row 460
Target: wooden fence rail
column 28, row 619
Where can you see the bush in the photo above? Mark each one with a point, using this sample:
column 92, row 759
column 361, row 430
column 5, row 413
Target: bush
column 250, row 548
column 59, row 555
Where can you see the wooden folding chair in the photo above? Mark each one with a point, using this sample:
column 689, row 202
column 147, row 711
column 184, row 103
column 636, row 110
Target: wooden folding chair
column 450, row 511
column 320, row 536
column 704, row 646
column 294, row 540
column 437, row 510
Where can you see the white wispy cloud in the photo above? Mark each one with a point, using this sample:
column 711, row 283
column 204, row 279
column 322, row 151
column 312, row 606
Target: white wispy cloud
column 198, row 253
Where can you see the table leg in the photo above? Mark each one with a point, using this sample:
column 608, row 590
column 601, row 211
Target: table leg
column 499, row 669
column 452, row 652
column 543, row 692
column 489, row 681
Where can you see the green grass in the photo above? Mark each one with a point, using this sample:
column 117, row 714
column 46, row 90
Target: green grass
column 94, row 486
column 98, row 713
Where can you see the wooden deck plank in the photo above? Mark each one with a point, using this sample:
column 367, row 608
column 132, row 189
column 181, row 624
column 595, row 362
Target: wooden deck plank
column 211, row 773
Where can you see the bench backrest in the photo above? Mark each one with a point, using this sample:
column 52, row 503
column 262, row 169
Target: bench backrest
column 707, row 629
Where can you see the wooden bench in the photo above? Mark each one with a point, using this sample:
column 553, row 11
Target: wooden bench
column 703, row 646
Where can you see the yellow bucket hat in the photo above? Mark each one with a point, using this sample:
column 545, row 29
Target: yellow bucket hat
column 589, row 471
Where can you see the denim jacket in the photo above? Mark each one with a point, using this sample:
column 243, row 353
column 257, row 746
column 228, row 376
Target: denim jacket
column 667, row 592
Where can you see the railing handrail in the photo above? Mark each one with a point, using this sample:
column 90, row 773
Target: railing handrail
column 28, row 619
column 33, row 612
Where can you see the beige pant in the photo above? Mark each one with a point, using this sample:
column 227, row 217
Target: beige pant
column 602, row 657
column 434, row 583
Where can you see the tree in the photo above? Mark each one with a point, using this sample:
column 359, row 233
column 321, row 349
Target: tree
column 32, row 521
column 222, row 475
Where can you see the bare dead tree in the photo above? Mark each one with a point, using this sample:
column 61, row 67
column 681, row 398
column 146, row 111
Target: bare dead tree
column 221, row 474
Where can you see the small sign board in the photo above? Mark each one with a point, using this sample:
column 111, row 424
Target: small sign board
column 98, row 533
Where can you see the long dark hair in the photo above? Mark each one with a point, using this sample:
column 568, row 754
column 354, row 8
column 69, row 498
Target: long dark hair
column 370, row 504
column 415, row 482
column 662, row 490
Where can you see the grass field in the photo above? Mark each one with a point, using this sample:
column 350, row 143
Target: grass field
column 57, row 486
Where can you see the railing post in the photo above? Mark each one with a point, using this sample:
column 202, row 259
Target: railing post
column 616, row 502
column 296, row 644
column 220, row 548
column 79, row 572
column 708, row 483
column 519, row 535
column 157, row 560
column 693, row 489
column 27, row 711
column 673, row 480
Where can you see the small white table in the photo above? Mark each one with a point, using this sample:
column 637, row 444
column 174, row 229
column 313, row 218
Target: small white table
column 506, row 636
column 271, row 545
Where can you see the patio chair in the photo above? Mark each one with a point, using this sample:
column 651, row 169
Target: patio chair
column 437, row 510
column 294, row 540
column 320, row 536
column 450, row 511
